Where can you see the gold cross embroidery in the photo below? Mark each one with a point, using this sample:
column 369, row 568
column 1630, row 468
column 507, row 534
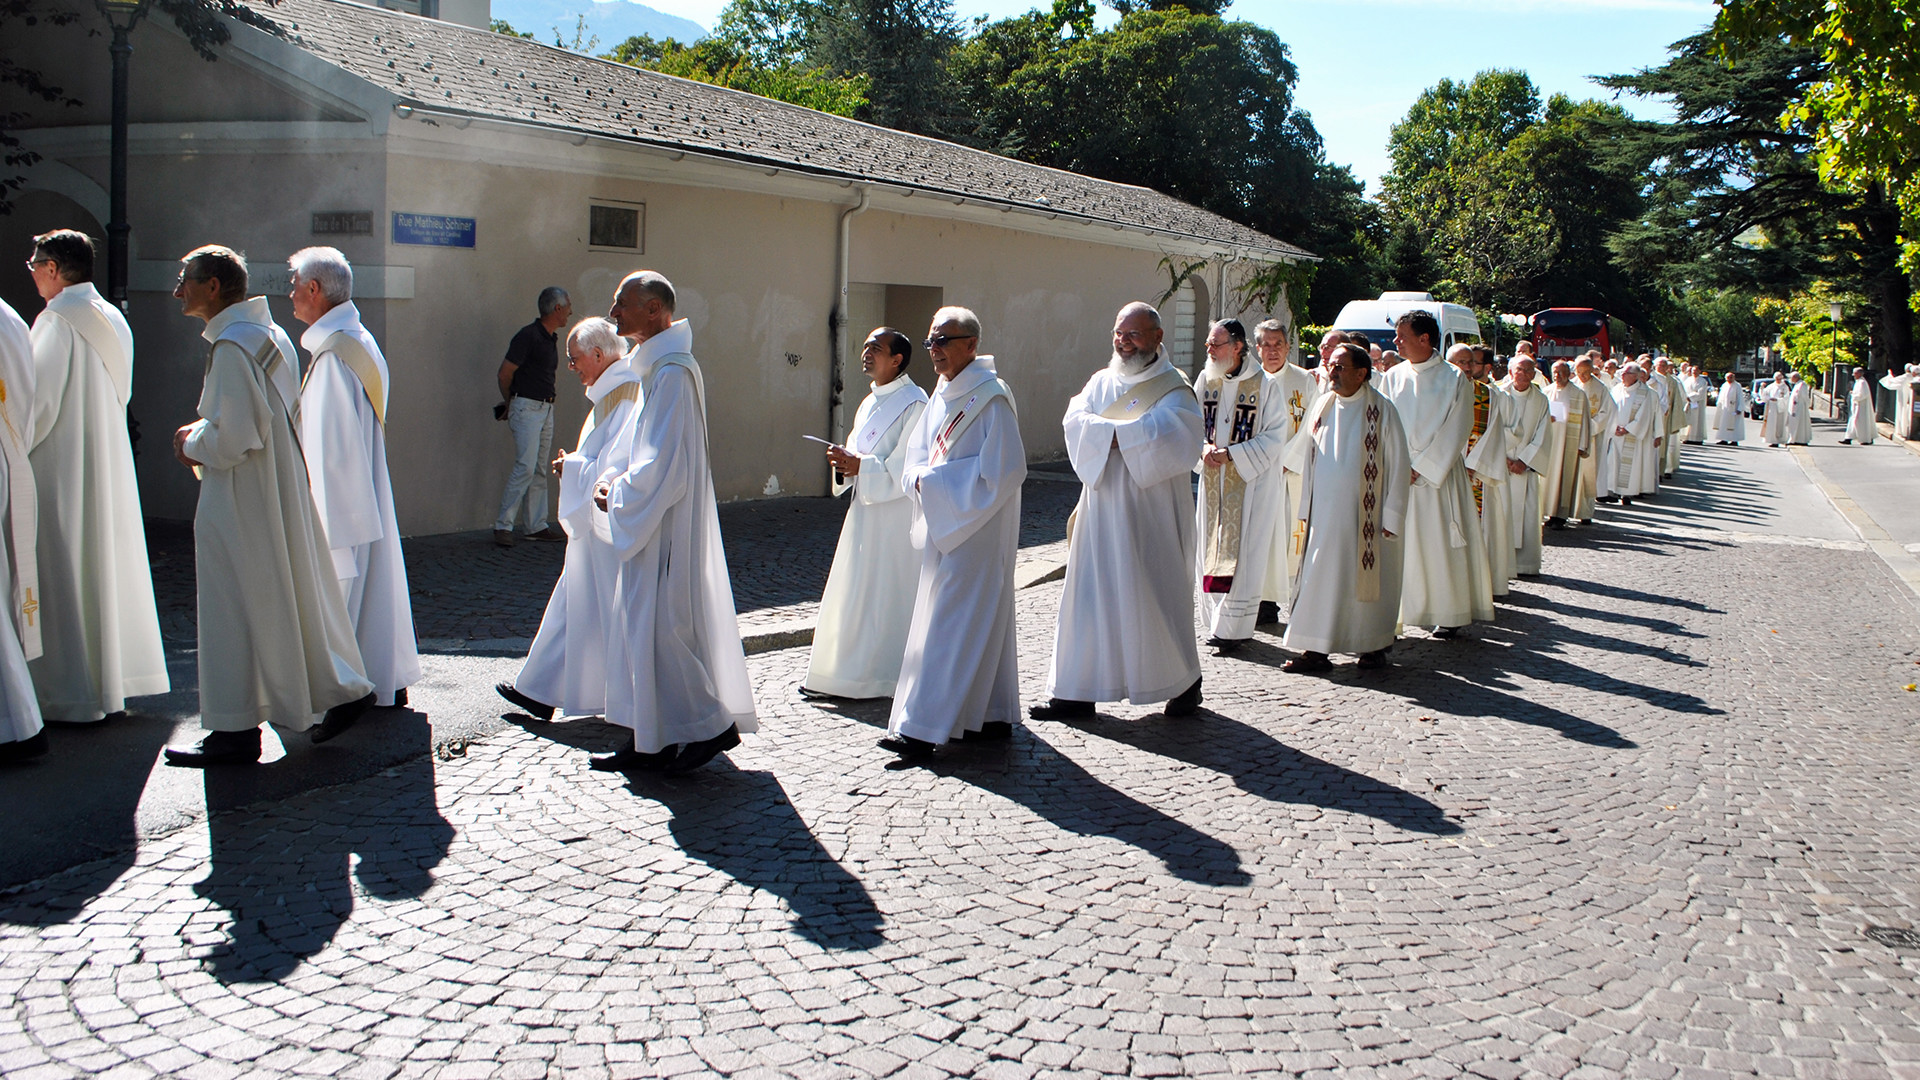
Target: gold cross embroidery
column 30, row 608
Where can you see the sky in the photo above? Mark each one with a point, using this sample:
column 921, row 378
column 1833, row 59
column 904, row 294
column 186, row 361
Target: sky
column 1363, row 62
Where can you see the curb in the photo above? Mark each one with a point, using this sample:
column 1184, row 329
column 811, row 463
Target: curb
column 1904, row 564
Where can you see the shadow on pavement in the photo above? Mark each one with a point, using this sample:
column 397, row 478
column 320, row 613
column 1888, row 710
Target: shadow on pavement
column 1267, row 768
column 742, row 824
column 288, row 881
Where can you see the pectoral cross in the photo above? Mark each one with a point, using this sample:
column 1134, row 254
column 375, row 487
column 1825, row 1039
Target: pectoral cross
column 30, row 608
column 1300, row 535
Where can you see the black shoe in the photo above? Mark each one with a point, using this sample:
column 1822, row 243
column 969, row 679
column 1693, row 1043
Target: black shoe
column 219, row 748
column 400, row 698
column 1225, row 646
column 1187, row 704
column 1308, row 663
column 991, row 731
column 1061, row 709
column 537, row 710
column 1626, row 500
column 340, row 718
column 630, row 760
column 815, row 695
column 30, row 747
column 1269, row 613
column 907, row 747
column 694, row 755
column 550, row 534
column 1846, row 442
column 1373, row 661
column 1556, row 523
column 1446, row 633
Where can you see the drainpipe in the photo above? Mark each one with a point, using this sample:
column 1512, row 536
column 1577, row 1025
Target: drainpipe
column 836, row 396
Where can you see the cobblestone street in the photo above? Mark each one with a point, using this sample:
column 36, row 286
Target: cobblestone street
column 1653, row 821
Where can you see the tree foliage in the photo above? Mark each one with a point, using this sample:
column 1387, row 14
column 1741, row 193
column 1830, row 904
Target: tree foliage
column 718, row 61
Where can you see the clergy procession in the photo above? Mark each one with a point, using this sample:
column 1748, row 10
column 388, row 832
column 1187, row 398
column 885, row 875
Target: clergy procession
column 1376, row 492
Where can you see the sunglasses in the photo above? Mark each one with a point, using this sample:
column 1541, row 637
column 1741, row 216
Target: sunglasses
column 939, row 341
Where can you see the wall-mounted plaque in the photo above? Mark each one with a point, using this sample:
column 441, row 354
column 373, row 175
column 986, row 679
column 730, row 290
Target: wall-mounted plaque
column 622, row 228
column 432, row 230
column 343, row 223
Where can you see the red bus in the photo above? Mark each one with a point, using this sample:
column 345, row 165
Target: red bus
column 1564, row 333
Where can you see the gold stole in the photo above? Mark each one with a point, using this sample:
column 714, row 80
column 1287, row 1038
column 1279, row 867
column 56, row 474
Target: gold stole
column 1223, row 491
column 1482, row 400
column 361, row 363
column 1131, row 407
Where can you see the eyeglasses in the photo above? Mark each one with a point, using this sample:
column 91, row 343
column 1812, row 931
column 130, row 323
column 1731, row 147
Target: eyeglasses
column 35, row 264
column 940, row 341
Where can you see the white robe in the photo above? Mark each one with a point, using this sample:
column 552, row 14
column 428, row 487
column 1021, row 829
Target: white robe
column 1326, row 617
column 1902, row 386
column 99, row 625
column 275, row 640
column 566, row 666
column 1263, row 511
column 1800, row 414
column 19, row 709
column 1676, row 424
column 1862, row 424
column 1299, row 388
column 961, row 670
column 1435, row 403
column 860, row 636
column 1630, row 462
column 1486, row 461
column 1125, row 628
column 346, row 450
column 1566, row 440
column 676, row 671
column 1730, row 413
column 1600, row 409
column 1698, row 390
column 1773, row 423
column 1528, row 429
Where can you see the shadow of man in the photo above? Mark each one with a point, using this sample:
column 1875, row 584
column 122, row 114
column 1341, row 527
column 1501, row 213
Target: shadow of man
column 742, row 824
column 286, row 873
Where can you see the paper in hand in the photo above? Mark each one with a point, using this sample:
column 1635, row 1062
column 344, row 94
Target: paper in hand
column 1558, row 409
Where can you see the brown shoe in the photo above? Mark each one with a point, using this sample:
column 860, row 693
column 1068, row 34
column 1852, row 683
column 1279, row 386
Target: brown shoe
column 548, row 534
column 503, row 537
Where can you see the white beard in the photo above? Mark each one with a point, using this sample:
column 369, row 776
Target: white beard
column 1217, row 372
column 1141, row 361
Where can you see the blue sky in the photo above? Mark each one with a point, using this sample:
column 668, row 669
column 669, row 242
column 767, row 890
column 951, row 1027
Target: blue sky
column 1362, row 62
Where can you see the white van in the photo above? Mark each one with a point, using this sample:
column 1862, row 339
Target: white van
column 1376, row 318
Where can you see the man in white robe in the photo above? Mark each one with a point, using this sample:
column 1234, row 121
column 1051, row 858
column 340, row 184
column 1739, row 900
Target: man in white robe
column 1730, row 413
column 21, row 733
column 1630, row 458
column 1571, row 437
column 1799, row 411
column 1243, row 490
column 1675, row 428
column 676, row 671
column 1435, row 405
column 1529, row 454
column 1773, row 422
column 1862, row 423
column 99, row 624
column 566, row 667
column 342, row 418
column 275, row 643
column 1662, row 392
column 860, row 636
column 965, row 463
column 1297, row 389
column 1125, row 627
column 1600, row 409
column 1699, row 388
column 1354, row 471
column 1901, row 383
column 1486, row 459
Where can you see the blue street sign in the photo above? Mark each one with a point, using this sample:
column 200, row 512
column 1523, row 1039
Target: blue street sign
column 432, row 230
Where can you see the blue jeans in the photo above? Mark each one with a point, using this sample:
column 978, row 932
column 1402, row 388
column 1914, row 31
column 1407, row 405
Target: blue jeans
column 532, row 424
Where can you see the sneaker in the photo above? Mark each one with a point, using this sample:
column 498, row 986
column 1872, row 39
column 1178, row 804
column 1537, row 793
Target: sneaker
column 550, row 534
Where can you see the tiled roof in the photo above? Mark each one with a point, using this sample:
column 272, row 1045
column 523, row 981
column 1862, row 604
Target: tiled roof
column 446, row 67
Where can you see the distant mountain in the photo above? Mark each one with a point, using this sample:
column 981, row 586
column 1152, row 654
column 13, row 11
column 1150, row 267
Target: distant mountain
column 612, row 21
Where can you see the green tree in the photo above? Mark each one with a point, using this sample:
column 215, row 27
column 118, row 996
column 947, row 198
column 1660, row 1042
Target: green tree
column 719, row 61
column 1713, row 326
column 900, row 47
column 502, row 26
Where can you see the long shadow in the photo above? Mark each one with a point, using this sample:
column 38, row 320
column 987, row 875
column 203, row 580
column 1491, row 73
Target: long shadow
column 1443, row 691
column 1535, row 602
column 742, row 824
column 1267, row 768
column 1616, row 592
column 287, row 876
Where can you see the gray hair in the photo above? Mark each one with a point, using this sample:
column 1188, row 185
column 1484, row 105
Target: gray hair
column 328, row 268
column 1271, row 326
column 552, row 298
column 596, row 333
column 651, row 282
column 964, row 318
column 1560, row 366
column 1141, row 307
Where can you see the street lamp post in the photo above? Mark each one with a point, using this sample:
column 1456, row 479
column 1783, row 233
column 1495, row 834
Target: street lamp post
column 122, row 16
column 1835, row 312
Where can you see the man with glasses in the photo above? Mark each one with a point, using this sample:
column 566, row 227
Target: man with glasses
column 1125, row 628
column 1354, row 477
column 965, row 463
column 99, row 625
column 275, row 641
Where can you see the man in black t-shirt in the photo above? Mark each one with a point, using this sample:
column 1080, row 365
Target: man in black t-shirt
column 526, row 385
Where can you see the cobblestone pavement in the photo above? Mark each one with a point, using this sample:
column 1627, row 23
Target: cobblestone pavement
column 1640, row 825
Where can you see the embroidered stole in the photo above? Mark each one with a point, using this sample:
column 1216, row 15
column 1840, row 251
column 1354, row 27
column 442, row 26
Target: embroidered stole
column 1482, row 402
column 1147, row 394
column 1223, row 491
column 958, row 421
column 361, row 363
column 1367, row 582
column 24, row 529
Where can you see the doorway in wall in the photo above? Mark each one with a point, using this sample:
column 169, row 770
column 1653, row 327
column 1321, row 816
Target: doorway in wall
column 908, row 309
